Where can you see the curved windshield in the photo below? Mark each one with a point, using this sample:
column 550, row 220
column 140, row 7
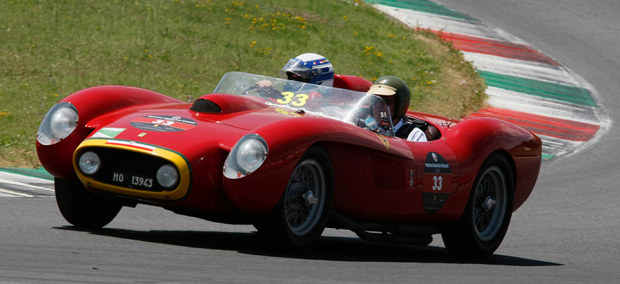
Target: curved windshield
column 362, row 109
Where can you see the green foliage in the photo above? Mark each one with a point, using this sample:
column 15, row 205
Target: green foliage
column 51, row 49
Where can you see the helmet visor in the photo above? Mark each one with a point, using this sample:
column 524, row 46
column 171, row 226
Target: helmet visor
column 382, row 90
column 295, row 70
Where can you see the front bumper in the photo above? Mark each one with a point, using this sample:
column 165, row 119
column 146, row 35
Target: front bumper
column 129, row 168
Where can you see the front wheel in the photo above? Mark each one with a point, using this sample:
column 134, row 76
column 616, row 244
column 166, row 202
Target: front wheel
column 485, row 221
column 82, row 209
column 303, row 211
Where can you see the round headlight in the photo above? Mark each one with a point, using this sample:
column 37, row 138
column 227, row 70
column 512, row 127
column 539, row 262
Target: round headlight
column 246, row 156
column 167, row 176
column 250, row 155
column 60, row 121
column 89, row 163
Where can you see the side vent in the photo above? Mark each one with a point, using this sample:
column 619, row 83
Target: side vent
column 205, row 106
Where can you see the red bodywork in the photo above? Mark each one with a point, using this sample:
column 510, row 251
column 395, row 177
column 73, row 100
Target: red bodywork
column 377, row 178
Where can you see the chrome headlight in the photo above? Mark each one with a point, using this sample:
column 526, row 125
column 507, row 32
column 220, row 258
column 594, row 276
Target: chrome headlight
column 246, row 156
column 89, row 163
column 59, row 122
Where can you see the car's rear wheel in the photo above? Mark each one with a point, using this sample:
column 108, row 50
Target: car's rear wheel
column 81, row 208
column 485, row 221
column 303, row 211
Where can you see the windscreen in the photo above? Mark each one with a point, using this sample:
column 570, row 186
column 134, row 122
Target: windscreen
column 362, row 109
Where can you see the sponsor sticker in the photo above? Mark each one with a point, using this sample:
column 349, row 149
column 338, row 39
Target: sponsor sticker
column 436, row 193
column 163, row 123
column 436, row 164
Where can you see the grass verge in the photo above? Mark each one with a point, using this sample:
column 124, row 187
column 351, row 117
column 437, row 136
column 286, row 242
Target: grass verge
column 182, row 47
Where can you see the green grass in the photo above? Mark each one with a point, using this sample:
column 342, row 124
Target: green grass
column 51, row 49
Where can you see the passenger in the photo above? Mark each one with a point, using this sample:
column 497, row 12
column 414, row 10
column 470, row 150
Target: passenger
column 396, row 94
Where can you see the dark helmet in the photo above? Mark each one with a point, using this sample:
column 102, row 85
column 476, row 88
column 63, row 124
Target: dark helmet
column 393, row 86
column 310, row 68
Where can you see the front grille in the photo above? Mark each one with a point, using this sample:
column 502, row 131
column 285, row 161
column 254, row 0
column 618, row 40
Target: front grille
column 129, row 169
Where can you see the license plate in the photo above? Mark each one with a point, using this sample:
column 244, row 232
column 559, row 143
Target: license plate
column 131, row 180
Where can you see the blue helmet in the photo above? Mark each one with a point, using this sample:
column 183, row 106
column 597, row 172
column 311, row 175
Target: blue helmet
column 310, row 68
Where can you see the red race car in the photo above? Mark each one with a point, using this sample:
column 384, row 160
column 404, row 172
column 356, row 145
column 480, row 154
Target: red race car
column 291, row 159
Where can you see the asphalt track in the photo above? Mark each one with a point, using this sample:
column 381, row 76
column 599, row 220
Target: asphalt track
column 567, row 232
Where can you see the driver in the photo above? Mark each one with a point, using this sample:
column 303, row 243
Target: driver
column 309, row 68
column 306, row 68
column 396, row 94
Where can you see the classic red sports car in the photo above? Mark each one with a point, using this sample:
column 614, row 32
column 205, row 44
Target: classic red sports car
column 291, row 160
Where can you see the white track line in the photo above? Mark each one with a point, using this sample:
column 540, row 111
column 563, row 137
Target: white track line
column 476, row 28
column 501, row 98
column 25, row 185
column 521, row 68
column 10, row 193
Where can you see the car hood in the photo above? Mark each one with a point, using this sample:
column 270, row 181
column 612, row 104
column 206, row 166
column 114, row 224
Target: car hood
column 179, row 128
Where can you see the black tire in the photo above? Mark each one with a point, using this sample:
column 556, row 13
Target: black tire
column 485, row 221
column 82, row 209
column 302, row 213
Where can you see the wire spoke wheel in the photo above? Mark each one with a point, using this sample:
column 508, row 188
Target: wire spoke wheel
column 490, row 203
column 299, row 218
column 305, row 197
column 487, row 215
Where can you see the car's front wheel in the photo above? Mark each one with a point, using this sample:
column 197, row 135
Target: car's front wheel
column 82, row 209
column 485, row 221
column 303, row 211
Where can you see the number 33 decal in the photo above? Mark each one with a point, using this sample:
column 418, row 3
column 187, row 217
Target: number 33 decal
column 437, row 182
column 297, row 100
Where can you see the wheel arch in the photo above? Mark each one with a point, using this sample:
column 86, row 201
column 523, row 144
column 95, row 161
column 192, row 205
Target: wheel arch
column 474, row 140
column 270, row 180
column 92, row 104
column 286, row 148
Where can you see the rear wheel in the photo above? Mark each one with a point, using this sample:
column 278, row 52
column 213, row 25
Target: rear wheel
column 82, row 209
column 487, row 215
column 303, row 211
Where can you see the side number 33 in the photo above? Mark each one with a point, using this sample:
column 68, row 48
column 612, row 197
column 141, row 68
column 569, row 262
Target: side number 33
column 437, row 182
